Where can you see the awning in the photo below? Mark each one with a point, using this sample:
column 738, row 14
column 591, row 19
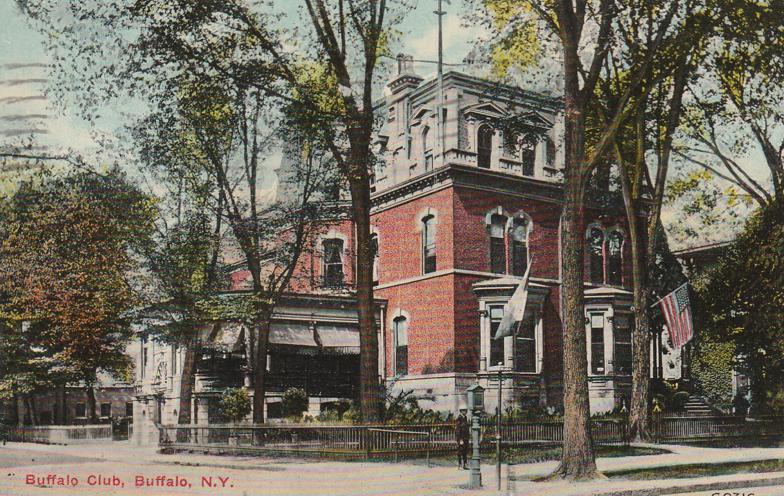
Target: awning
column 229, row 337
column 338, row 339
column 291, row 335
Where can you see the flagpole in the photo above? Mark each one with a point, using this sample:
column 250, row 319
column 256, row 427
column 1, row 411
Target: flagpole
column 439, row 107
column 665, row 296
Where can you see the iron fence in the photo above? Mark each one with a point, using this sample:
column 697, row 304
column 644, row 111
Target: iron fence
column 386, row 440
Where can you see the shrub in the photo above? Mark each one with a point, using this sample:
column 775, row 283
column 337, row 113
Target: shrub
column 295, row 402
column 711, row 367
column 235, row 404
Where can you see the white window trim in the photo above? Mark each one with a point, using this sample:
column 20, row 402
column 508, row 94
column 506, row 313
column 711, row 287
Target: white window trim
column 331, row 234
column 484, row 342
column 398, row 313
column 608, row 313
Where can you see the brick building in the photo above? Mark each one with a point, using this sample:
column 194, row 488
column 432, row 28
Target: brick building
column 459, row 208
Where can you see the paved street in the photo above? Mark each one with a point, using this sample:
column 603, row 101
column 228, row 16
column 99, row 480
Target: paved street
column 116, row 469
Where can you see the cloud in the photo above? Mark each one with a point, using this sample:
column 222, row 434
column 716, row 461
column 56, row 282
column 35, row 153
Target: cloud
column 458, row 40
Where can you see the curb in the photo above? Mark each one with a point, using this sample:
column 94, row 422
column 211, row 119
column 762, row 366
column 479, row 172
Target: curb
column 708, row 486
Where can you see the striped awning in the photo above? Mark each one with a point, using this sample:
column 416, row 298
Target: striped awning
column 340, row 340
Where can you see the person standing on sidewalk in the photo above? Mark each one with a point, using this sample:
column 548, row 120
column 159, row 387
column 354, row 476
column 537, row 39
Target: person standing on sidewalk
column 462, row 435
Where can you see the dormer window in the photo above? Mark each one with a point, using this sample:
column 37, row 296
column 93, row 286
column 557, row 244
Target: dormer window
column 427, row 148
column 484, row 146
column 549, row 152
column 528, row 157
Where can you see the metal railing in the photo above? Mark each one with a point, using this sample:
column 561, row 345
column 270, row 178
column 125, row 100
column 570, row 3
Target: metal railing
column 368, row 440
column 682, row 429
column 386, row 440
column 62, row 434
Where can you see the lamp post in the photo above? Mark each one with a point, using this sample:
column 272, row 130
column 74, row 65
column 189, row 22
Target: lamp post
column 476, row 402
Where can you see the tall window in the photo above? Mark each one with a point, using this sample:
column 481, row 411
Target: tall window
column 596, row 255
column 428, row 244
column 484, row 146
column 615, row 258
column 549, row 152
column 427, row 148
column 622, row 335
column 497, row 244
column 80, row 411
column 525, row 346
column 528, row 157
column 519, row 243
column 333, row 262
column 400, row 329
column 496, row 345
column 597, row 343
column 374, row 250
column 106, row 409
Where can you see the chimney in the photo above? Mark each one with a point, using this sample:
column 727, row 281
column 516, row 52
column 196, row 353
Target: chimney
column 405, row 65
column 405, row 78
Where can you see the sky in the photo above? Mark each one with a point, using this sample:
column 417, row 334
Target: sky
column 23, row 73
column 24, row 109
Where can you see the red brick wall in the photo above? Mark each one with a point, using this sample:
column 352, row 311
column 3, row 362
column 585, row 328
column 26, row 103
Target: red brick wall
column 428, row 305
column 472, row 252
column 400, row 240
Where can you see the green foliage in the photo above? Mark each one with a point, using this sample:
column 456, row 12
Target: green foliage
column 295, row 402
column 235, row 404
column 711, row 367
column 743, row 303
column 68, row 256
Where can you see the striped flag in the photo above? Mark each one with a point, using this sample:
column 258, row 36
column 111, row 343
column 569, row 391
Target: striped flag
column 677, row 313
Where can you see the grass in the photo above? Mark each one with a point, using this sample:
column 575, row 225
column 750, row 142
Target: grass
column 698, row 470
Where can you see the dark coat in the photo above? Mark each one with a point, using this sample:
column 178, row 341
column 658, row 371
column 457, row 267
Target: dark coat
column 462, row 431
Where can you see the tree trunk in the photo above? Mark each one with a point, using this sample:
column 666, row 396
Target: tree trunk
column 90, row 390
column 638, row 414
column 578, row 460
column 639, row 417
column 370, row 394
column 14, row 407
column 31, row 410
column 187, row 382
column 260, row 369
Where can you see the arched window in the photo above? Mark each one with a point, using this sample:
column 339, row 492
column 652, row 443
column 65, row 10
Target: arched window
column 615, row 258
column 332, row 272
column 549, row 152
column 497, row 244
column 427, row 148
column 428, row 244
column 528, row 156
column 596, row 254
column 400, row 330
column 518, row 234
column 484, row 146
column 374, row 251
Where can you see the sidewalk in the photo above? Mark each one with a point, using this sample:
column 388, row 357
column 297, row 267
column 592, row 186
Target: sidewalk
column 292, row 476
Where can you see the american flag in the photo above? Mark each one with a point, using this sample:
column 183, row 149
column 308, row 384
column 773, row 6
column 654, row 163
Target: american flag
column 677, row 313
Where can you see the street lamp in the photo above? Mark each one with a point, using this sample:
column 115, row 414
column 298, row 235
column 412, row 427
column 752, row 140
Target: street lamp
column 476, row 402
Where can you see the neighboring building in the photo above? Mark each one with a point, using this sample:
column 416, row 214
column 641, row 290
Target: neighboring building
column 696, row 262
column 459, row 209
column 313, row 345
